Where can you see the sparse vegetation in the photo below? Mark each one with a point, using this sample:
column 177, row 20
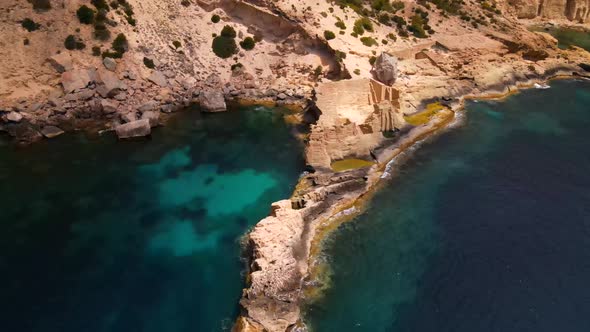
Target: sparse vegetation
column 318, row 71
column 224, row 47
column 228, row 32
column 41, row 5
column 101, row 4
column 149, row 63
column 248, row 43
column 30, row 25
column 176, row 44
column 73, row 43
column 329, row 35
column 341, row 25
column 120, row 44
column 369, row 41
column 363, row 24
column 96, row 51
column 357, row 71
column 85, row 14
column 372, row 60
column 215, row 18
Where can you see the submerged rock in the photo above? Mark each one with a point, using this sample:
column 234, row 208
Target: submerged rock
column 212, row 101
column 51, row 131
column 138, row 128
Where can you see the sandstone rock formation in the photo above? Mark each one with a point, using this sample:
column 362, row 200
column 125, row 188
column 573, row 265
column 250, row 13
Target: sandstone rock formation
column 573, row 10
column 354, row 115
column 212, row 101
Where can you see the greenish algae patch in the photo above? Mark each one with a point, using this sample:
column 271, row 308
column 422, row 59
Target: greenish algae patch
column 423, row 117
column 348, row 164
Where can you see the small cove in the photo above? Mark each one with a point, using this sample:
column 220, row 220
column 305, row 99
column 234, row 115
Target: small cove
column 100, row 235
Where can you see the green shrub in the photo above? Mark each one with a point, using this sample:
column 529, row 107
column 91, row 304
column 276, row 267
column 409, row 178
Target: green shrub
column 324, row 14
column 120, row 44
column 85, row 14
column 215, row 18
column 369, row 41
column 176, row 44
column 341, row 25
column 357, row 71
column 96, row 50
column 70, row 42
column 101, row 32
column 248, row 43
column 372, row 60
column 318, row 71
column 41, row 5
column 340, row 56
column 73, row 43
column 149, row 63
column 30, row 25
column 111, row 54
column 398, row 5
column 100, row 4
column 382, row 5
column 228, row 32
column 224, row 47
column 329, row 35
column 114, row 4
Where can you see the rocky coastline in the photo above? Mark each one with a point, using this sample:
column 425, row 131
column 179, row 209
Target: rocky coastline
column 283, row 271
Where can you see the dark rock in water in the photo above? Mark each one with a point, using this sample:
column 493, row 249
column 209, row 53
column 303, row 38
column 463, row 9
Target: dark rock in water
column 584, row 66
column 242, row 221
column 309, row 169
column 208, row 180
column 138, row 128
column 51, row 131
column 150, row 219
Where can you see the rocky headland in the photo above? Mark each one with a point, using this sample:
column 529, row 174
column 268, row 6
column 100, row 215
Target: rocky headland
column 393, row 74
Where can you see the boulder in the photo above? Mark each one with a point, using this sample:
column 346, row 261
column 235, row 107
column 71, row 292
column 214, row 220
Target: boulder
column 61, row 62
column 75, row 79
column 152, row 116
column 158, row 78
column 109, row 85
column 385, row 69
column 138, row 128
column 110, row 63
column 129, row 117
column 108, row 107
column 51, row 131
column 14, row 117
column 149, row 106
column 212, row 101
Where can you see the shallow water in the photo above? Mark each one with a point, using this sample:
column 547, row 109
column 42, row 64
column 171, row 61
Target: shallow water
column 99, row 235
column 568, row 37
column 487, row 228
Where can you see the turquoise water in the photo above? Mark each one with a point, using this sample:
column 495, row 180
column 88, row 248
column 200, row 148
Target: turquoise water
column 100, row 235
column 486, row 228
column 568, row 37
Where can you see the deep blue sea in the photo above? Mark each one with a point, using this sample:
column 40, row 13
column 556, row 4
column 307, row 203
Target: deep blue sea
column 98, row 235
column 485, row 229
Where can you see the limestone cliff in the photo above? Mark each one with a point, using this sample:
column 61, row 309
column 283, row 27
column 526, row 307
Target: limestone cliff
column 572, row 10
column 354, row 115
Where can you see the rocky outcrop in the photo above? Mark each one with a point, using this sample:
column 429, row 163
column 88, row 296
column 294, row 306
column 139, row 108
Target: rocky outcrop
column 137, row 128
column 51, row 131
column 212, row 101
column 61, row 62
column 275, row 272
column 385, row 69
column 573, row 10
column 354, row 115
